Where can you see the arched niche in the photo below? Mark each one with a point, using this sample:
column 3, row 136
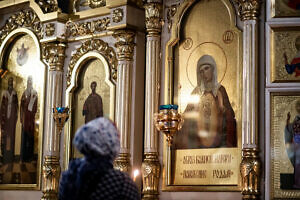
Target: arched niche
column 22, row 109
column 204, row 29
column 89, row 68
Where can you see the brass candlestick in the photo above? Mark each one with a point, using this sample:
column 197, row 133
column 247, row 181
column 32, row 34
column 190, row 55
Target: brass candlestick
column 168, row 121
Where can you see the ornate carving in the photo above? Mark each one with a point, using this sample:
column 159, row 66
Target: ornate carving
column 51, row 173
column 54, row 54
column 48, row 6
column 248, row 9
column 250, row 171
column 49, row 29
column 153, row 17
column 94, row 3
column 122, row 162
column 171, row 11
column 90, row 3
column 117, row 15
column 80, row 29
column 94, row 45
column 150, row 172
column 125, row 44
column 26, row 19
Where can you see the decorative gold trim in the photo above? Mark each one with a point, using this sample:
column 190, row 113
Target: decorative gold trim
column 125, row 44
column 48, row 6
column 179, row 10
column 49, row 29
column 117, row 15
column 51, row 174
column 151, row 173
column 9, row 38
column 171, row 11
column 27, row 19
column 250, row 171
column 122, row 162
column 86, row 28
column 248, row 9
column 153, row 17
column 70, row 97
column 99, row 46
column 54, row 54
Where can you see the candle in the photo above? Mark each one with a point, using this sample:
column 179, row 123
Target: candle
column 135, row 174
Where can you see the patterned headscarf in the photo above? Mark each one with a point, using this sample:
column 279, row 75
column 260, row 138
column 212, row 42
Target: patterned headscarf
column 98, row 137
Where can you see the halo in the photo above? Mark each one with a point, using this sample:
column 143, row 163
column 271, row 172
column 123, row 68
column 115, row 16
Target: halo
column 206, row 48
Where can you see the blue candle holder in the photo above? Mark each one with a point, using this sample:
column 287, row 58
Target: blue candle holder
column 61, row 116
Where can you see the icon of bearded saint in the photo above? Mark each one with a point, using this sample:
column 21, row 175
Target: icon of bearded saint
column 22, row 55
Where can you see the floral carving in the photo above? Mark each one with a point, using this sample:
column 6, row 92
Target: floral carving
column 117, row 15
column 48, row 6
column 94, row 45
column 248, row 9
column 26, row 19
column 153, row 17
column 79, row 29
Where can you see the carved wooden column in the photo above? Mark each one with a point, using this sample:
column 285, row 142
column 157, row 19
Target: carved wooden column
column 54, row 55
column 250, row 165
column 151, row 165
column 125, row 50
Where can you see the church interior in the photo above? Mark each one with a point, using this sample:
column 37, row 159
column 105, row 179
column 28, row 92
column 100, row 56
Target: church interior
column 205, row 94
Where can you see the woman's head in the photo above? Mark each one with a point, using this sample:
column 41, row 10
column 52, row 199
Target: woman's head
column 98, row 137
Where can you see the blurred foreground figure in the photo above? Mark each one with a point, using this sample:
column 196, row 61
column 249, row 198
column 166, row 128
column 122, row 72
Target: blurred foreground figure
column 93, row 176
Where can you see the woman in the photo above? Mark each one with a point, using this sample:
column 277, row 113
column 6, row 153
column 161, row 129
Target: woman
column 93, row 176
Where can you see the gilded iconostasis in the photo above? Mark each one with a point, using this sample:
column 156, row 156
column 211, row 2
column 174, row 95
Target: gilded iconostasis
column 204, row 93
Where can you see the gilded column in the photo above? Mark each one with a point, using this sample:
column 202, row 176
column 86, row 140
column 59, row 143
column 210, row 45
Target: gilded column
column 54, row 55
column 250, row 165
column 151, row 165
column 125, row 50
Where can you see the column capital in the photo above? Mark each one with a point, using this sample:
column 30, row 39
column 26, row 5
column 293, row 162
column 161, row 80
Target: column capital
column 54, row 55
column 153, row 17
column 248, row 9
column 125, row 44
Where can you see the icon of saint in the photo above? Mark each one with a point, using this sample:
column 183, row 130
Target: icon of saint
column 209, row 120
column 294, row 66
column 93, row 106
column 9, row 116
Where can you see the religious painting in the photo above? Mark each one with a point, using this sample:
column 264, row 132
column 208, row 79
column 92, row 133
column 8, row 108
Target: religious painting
column 21, row 113
column 92, row 96
column 284, row 56
column 285, row 8
column 285, row 145
column 207, row 89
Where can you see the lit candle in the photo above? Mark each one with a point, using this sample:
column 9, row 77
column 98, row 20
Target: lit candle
column 135, row 174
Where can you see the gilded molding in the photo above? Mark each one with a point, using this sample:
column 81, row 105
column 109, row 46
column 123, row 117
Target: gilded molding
column 86, row 28
column 250, row 171
column 54, row 54
column 94, row 3
column 51, row 174
column 171, row 11
column 153, row 17
column 125, row 44
column 150, row 173
column 48, row 6
column 20, row 19
column 248, row 9
column 49, row 29
column 117, row 15
column 122, row 162
column 99, row 46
